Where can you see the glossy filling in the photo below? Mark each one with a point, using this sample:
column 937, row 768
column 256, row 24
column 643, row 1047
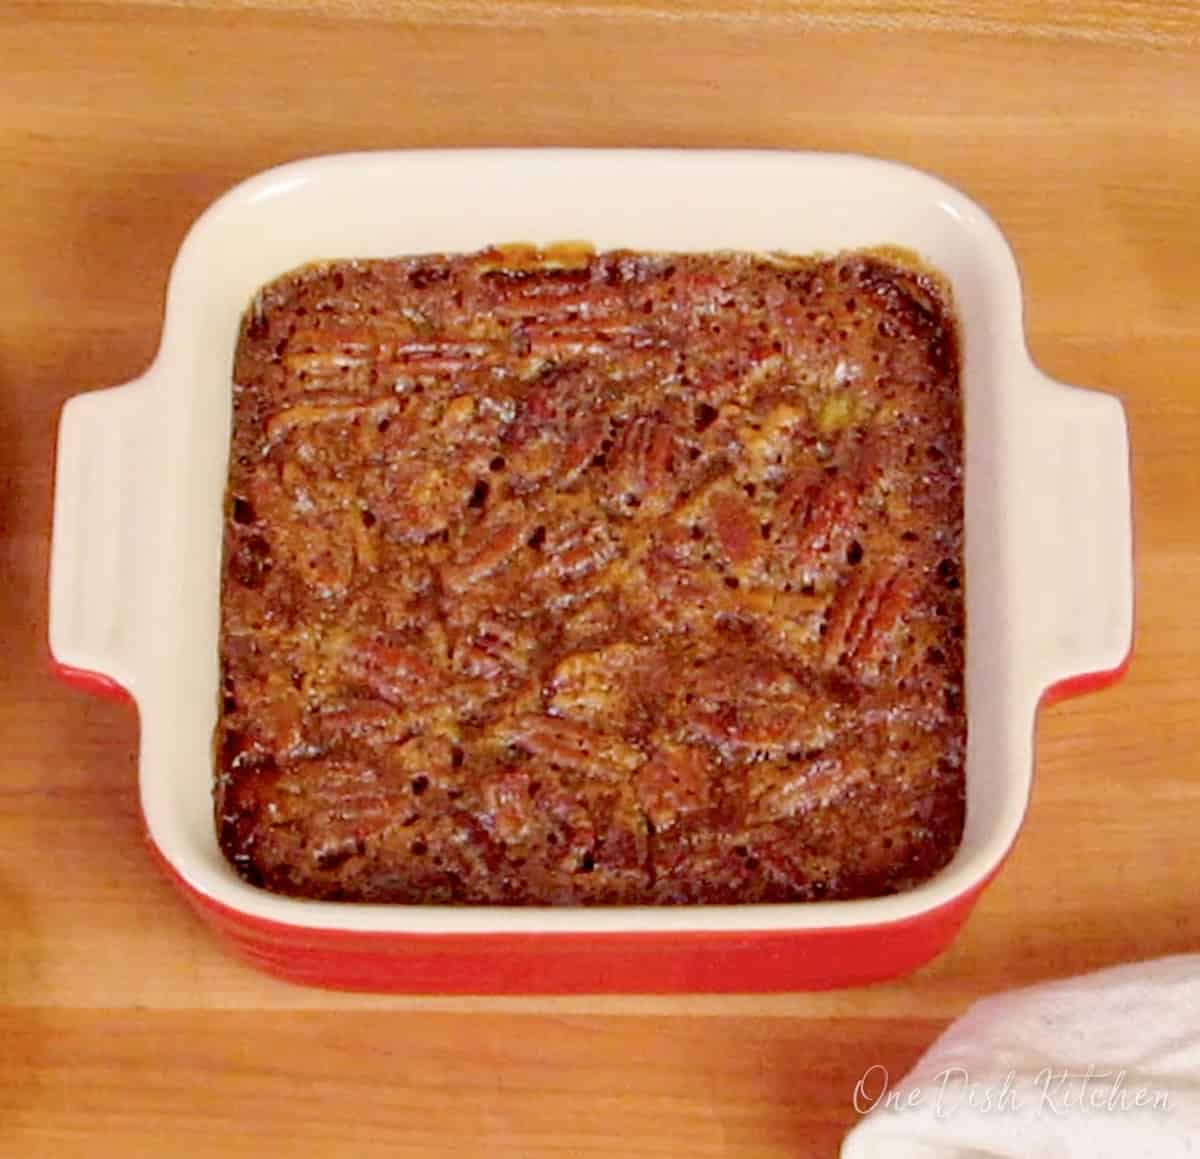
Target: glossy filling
column 569, row 578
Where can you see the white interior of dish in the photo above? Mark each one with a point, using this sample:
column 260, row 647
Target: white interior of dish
column 1047, row 594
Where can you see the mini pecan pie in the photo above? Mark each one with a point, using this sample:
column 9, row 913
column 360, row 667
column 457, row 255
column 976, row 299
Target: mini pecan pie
column 555, row 577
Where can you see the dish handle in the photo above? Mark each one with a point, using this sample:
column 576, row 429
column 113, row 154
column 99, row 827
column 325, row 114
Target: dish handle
column 1076, row 553
column 102, row 493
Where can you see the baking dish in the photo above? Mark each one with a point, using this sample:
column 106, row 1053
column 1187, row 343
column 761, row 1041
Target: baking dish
column 136, row 555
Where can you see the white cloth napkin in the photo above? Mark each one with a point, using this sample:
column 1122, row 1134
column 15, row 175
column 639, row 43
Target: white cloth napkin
column 1106, row 1066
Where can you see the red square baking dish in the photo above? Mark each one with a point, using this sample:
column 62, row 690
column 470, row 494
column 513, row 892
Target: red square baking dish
column 136, row 557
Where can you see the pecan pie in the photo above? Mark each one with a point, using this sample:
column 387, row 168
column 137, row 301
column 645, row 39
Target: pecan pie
column 562, row 577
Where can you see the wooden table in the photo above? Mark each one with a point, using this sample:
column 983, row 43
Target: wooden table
column 124, row 1029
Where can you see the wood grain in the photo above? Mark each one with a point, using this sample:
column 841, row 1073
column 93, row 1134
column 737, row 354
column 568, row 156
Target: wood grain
column 124, row 1029
column 561, row 1086
column 1117, row 21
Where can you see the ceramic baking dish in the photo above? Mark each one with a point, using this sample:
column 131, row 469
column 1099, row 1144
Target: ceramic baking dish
column 134, row 583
